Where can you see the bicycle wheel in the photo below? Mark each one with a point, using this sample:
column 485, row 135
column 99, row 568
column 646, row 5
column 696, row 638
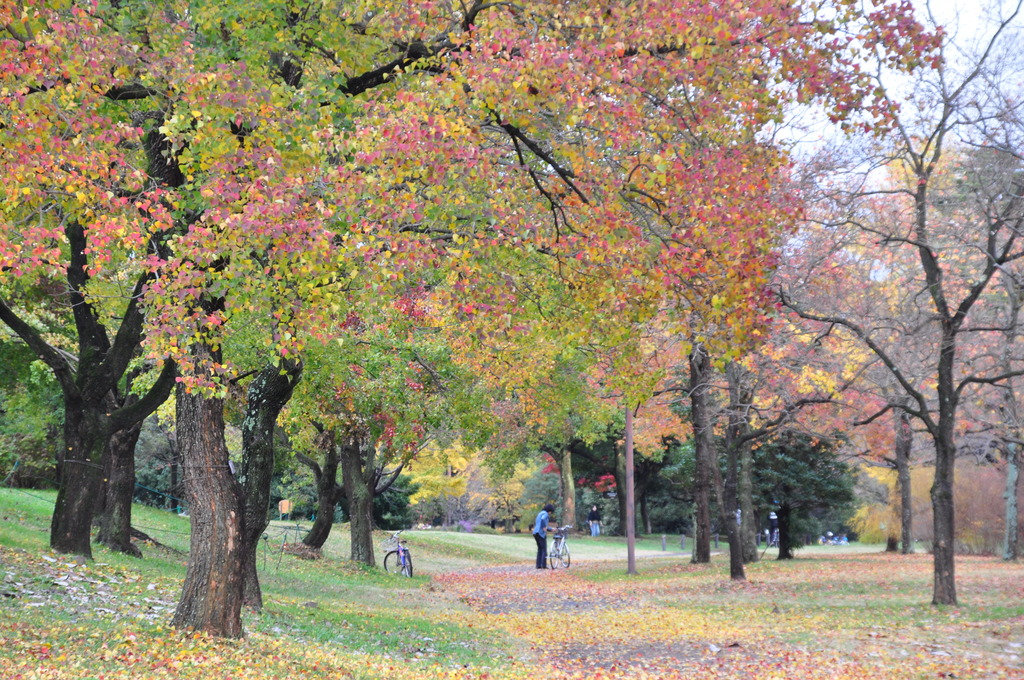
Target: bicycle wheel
column 553, row 554
column 563, row 555
column 407, row 567
column 392, row 564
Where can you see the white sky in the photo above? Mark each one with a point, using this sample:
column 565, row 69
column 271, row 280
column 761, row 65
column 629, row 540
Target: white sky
column 968, row 20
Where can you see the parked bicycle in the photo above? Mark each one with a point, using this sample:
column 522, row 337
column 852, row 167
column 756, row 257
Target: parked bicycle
column 558, row 555
column 397, row 560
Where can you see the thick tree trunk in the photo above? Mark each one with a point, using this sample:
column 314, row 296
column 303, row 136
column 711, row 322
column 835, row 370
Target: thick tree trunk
column 116, row 516
column 359, row 479
column 732, row 517
column 80, row 478
column 732, row 513
column 740, row 402
column 1011, row 421
column 568, row 487
column 786, row 543
column 904, row 441
column 943, row 521
column 943, row 528
column 328, row 493
column 1011, row 542
column 267, row 395
column 700, row 370
column 211, row 597
column 89, row 423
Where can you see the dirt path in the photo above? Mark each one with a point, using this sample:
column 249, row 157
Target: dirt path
column 580, row 628
column 697, row 626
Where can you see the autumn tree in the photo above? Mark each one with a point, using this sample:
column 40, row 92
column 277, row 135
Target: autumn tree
column 870, row 283
column 79, row 215
column 378, row 393
column 267, row 394
column 288, row 147
column 1004, row 134
column 960, row 241
column 795, row 382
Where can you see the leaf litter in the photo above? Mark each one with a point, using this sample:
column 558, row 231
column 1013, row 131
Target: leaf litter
column 563, row 625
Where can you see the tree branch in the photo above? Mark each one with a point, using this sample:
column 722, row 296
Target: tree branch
column 924, row 414
column 57, row 361
column 386, row 479
column 566, row 174
column 149, row 402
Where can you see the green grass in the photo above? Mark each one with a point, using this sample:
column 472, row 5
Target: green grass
column 324, row 601
column 330, row 613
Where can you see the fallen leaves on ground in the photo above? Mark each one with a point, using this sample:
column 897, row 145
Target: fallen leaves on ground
column 811, row 620
column 700, row 627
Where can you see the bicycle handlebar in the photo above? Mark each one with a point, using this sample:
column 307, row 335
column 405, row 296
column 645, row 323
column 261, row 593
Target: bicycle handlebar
column 393, row 541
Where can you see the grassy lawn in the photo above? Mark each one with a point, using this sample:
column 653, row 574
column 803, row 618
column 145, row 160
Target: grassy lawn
column 477, row 609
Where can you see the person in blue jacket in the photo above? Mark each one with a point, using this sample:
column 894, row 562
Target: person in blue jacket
column 540, row 533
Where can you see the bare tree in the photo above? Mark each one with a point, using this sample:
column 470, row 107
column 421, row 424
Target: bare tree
column 960, row 229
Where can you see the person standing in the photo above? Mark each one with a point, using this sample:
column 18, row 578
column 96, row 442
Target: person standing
column 773, row 527
column 594, row 519
column 540, row 533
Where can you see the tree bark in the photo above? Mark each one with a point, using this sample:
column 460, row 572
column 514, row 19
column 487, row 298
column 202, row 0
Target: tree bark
column 358, row 472
column 1011, row 421
column 904, row 441
column 734, row 441
column 785, row 535
column 732, row 521
column 211, row 597
column 943, row 520
column 741, row 400
column 700, row 369
column 116, row 516
column 267, row 395
column 80, row 478
column 1011, row 550
column 568, row 484
column 943, row 528
column 328, row 493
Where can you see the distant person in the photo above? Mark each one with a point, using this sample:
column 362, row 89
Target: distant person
column 594, row 519
column 773, row 526
column 540, row 534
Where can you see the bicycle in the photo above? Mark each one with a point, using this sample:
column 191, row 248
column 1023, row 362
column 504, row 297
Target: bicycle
column 559, row 553
column 398, row 560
